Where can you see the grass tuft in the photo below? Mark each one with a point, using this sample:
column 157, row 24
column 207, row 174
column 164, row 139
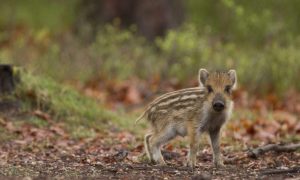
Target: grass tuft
column 82, row 115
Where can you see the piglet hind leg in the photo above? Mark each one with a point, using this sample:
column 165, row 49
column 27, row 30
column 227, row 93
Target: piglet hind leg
column 147, row 147
column 156, row 141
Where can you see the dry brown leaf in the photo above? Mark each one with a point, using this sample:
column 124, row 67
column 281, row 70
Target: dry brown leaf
column 42, row 115
column 133, row 96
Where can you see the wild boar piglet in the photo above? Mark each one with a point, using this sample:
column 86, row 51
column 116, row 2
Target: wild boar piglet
column 191, row 112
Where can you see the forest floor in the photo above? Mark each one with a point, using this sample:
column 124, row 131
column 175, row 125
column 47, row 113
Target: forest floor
column 50, row 152
column 42, row 147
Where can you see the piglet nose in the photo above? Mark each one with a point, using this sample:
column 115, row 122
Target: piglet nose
column 218, row 106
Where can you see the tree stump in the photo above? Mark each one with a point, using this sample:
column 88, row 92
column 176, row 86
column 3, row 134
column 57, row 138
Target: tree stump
column 7, row 86
column 7, row 82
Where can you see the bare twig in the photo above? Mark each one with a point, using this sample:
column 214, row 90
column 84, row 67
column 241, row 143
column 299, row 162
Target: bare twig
column 280, row 171
column 254, row 153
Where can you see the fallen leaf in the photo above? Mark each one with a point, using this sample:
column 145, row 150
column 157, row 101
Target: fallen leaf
column 41, row 115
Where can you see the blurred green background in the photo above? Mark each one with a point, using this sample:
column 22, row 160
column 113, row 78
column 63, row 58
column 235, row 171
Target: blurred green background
column 77, row 41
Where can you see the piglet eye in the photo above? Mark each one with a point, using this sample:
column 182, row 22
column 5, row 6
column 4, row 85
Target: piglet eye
column 227, row 89
column 209, row 89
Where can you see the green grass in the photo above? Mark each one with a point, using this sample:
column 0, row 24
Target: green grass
column 82, row 115
column 5, row 136
column 37, row 122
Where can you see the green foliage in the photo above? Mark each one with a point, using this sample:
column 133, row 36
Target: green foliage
column 246, row 22
column 38, row 14
column 272, row 68
column 121, row 54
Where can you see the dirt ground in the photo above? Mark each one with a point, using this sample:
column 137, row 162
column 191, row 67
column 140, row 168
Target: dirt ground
column 119, row 155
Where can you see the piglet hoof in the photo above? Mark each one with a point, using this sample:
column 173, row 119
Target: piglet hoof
column 162, row 163
column 191, row 165
column 219, row 165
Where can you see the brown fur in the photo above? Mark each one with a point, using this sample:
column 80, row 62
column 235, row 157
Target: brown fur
column 190, row 112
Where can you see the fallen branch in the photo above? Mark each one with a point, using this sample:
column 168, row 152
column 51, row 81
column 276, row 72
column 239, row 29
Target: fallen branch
column 280, row 171
column 236, row 158
column 254, row 153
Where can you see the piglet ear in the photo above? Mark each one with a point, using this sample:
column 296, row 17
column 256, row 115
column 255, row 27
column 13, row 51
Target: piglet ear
column 233, row 78
column 203, row 75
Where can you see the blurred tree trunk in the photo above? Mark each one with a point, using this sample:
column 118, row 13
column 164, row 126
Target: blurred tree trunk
column 152, row 18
